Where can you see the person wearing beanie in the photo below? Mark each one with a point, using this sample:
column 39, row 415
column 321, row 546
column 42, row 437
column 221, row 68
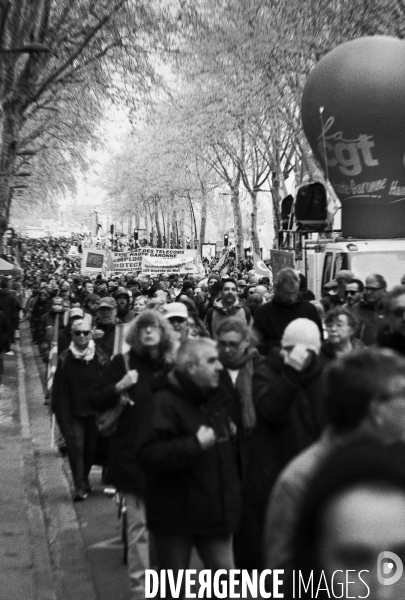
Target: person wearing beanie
column 272, row 318
column 290, row 415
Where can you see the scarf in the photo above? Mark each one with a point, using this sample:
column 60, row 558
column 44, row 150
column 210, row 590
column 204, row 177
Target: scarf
column 244, row 387
column 87, row 354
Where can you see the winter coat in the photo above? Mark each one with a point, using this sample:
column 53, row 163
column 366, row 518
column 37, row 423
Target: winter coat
column 290, row 416
column 392, row 340
column 39, row 309
column 272, row 318
column 190, row 491
column 73, row 382
column 4, row 332
column 219, row 313
column 123, row 469
column 372, row 321
column 328, row 353
column 8, row 304
column 106, row 342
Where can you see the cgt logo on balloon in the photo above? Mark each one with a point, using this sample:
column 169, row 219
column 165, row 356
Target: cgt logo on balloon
column 353, row 115
column 348, row 155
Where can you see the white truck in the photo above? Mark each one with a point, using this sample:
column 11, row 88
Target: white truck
column 322, row 259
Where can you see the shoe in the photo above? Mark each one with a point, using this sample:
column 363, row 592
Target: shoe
column 79, row 496
column 10, row 353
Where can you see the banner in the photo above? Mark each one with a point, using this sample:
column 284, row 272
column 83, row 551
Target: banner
column 158, row 260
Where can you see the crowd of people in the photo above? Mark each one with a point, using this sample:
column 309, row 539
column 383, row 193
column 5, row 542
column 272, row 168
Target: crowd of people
column 249, row 421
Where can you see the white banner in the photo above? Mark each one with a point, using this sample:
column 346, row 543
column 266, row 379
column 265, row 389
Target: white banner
column 158, row 260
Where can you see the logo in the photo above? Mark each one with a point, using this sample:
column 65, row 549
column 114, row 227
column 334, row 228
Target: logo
column 386, row 574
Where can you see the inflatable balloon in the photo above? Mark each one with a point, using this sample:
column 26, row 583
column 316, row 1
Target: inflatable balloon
column 353, row 113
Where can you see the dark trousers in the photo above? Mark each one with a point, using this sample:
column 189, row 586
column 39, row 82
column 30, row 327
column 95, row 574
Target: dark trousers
column 81, row 440
column 174, row 552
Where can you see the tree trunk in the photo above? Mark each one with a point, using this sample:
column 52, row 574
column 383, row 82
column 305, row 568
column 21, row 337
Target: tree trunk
column 203, row 225
column 158, row 229
column 275, row 193
column 253, row 223
column 175, row 233
column 8, row 155
column 237, row 217
column 181, row 229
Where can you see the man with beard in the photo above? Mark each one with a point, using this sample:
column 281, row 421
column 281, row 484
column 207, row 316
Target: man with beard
column 48, row 322
column 123, row 298
column 371, row 311
column 214, row 290
column 272, row 318
column 106, row 321
column 227, row 307
column 393, row 334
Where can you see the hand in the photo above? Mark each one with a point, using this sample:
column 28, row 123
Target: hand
column 206, row 437
column 298, row 358
column 127, row 381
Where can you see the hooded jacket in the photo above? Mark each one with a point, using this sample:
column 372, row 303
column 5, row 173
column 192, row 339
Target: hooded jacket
column 219, row 313
column 190, row 491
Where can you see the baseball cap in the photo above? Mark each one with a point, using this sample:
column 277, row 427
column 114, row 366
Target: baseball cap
column 175, row 309
column 76, row 312
column 107, row 302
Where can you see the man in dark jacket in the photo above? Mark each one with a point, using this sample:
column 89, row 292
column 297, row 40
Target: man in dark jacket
column 288, row 397
column 10, row 308
column 192, row 494
column 272, row 318
column 370, row 311
column 79, row 368
column 393, row 334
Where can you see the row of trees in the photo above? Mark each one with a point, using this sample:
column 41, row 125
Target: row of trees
column 219, row 124
column 231, row 122
column 61, row 63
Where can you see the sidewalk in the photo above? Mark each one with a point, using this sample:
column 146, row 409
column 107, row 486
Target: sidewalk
column 42, row 554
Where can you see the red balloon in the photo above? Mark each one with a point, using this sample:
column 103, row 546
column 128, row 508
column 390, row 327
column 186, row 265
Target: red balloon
column 353, row 113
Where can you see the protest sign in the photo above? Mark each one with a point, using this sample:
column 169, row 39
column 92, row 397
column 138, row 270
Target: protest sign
column 92, row 261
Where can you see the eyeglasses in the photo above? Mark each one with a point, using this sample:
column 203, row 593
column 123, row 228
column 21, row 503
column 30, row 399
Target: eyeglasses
column 351, row 293
column 79, row 333
column 373, row 289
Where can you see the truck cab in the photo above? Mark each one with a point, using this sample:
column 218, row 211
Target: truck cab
column 363, row 257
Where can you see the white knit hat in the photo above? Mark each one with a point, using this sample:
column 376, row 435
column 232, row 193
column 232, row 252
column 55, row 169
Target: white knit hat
column 302, row 331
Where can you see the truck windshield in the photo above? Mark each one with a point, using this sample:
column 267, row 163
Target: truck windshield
column 391, row 265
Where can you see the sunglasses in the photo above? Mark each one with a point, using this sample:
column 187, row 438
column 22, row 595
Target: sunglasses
column 351, row 293
column 177, row 319
column 79, row 333
column 398, row 312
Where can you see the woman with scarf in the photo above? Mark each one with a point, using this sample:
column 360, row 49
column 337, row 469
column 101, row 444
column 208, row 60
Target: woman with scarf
column 78, row 369
column 241, row 360
column 138, row 373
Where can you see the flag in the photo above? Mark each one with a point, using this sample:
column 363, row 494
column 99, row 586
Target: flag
column 53, row 356
column 261, row 269
column 222, row 263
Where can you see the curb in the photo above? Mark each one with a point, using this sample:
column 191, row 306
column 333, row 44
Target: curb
column 59, row 555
